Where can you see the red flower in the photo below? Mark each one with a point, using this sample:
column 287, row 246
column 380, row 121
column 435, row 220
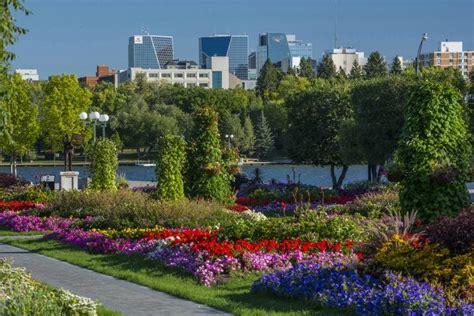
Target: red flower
column 360, row 255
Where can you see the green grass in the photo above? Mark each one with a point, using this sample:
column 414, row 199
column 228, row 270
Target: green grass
column 8, row 232
column 233, row 296
column 104, row 311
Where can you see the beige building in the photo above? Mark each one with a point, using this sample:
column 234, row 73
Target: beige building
column 450, row 54
column 344, row 58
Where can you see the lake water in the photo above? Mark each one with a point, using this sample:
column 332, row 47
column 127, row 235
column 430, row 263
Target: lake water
column 305, row 173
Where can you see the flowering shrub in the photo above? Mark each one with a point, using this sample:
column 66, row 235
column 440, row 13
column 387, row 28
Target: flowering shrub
column 9, row 180
column 25, row 223
column 22, row 295
column 19, row 205
column 337, row 286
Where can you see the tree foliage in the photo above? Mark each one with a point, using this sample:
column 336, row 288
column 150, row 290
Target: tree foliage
column 434, row 151
column 396, row 68
column 268, row 79
column 356, row 71
column 327, row 68
column 315, row 117
column 376, row 66
column 206, row 175
column 103, row 167
column 305, row 69
column 264, row 141
column 170, row 168
column 248, row 145
column 64, row 99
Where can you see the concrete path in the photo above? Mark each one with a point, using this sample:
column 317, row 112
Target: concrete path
column 127, row 297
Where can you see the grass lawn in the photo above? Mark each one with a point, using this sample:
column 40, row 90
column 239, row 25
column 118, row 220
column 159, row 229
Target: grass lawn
column 8, row 232
column 234, row 296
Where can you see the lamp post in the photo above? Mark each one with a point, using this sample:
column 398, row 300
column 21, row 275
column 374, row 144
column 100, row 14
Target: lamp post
column 94, row 117
column 424, row 37
column 229, row 137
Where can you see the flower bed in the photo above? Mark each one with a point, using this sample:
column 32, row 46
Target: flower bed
column 19, row 205
column 339, row 286
column 25, row 223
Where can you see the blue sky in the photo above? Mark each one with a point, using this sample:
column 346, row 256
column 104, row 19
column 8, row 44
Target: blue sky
column 73, row 36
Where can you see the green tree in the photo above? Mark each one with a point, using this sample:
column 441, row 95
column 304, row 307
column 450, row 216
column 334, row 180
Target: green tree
column 230, row 125
column 264, row 139
column 248, row 146
column 206, row 175
column 9, row 30
column 434, row 151
column 396, row 68
column 341, row 74
column 267, row 81
column 103, row 167
column 306, row 69
column 356, row 70
column 378, row 117
column 22, row 125
column 376, row 66
column 291, row 72
column 315, row 117
column 64, row 99
column 169, row 168
column 327, row 68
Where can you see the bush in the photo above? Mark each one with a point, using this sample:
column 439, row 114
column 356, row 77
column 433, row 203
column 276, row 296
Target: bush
column 376, row 204
column 457, row 233
column 169, row 168
column 434, row 152
column 103, row 167
column 126, row 208
column 9, row 180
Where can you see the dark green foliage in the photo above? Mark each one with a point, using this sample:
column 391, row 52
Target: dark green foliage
column 268, row 79
column 169, row 168
column 396, row 68
column 327, row 68
column 264, row 139
column 356, row 70
column 103, row 167
column 230, row 125
column 376, row 66
column 315, row 117
column 341, row 74
column 206, row 175
column 434, row 151
column 248, row 145
column 306, row 68
column 378, row 117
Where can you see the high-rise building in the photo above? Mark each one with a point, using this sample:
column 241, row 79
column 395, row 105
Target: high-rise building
column 236, row 47
column 344, row 58
column 278, row 46
column 450, row 54
column 150, row 51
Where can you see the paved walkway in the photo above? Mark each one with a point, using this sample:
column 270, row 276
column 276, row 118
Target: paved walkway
column 127, row 297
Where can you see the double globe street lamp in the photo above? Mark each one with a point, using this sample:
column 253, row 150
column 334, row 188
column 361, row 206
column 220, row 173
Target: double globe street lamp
column 96, row 117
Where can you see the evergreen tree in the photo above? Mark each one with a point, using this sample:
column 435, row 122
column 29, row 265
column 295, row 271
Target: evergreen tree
column 341, row 74
column 326, row 68
column 356, row 71
column 268, row 79
column 264, row 139
column 291, row 72
column 376, row 66
column 249, row 137
column 396, row 68
column 306, row 68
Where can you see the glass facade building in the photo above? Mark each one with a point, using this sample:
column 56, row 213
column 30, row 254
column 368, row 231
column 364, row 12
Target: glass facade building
column 278, row 46
column 235, row 47
column 150, row 51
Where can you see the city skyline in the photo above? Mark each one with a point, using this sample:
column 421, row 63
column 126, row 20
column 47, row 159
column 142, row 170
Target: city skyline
column 74, row 37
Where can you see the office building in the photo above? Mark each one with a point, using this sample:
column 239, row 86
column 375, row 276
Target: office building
column 450, row 54
column 189, row 74
column 278, row 46
column 252, row 66
column 149, row 51
column 102, row 74
column 28, row 74
column 235, row 47
column 344, row 58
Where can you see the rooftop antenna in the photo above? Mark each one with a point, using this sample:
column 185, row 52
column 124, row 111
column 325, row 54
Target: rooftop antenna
column 335, row 23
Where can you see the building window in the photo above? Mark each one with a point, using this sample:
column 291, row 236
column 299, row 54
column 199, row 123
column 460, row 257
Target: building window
column 153, row 75
column 165, row 75
column 178, row 75
column 438, row 55
column 451, row 61
column 204, row 85
column 204, row 75
column 191, row 75
column 217, row 79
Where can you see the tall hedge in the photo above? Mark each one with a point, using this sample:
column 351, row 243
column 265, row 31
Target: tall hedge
column 206, row 175
column 434, row 151
column 103, row 167
column 169, row 168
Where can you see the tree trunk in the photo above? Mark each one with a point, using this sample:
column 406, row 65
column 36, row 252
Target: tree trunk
column 373, row 171
column 333, row 177
column 342, row 176
column 13, row 163
column 369, row 174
